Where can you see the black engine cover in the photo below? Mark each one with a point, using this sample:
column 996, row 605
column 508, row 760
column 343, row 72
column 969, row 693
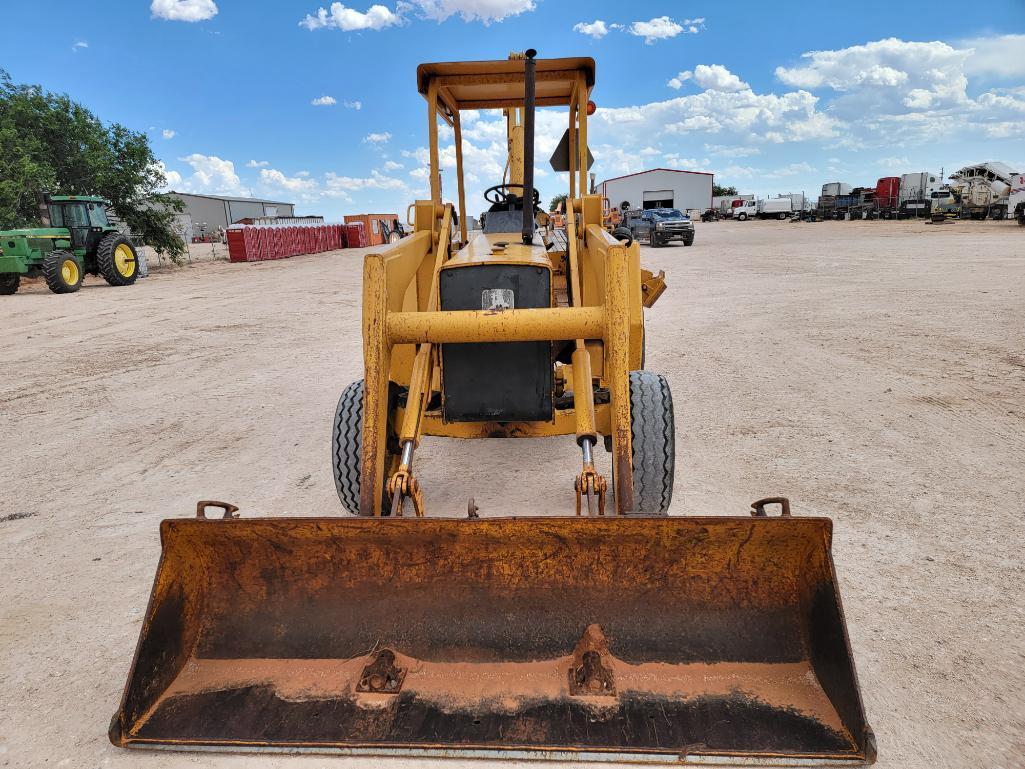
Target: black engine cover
column 504, row 381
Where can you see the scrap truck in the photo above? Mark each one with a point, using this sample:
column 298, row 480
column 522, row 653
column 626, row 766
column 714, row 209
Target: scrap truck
column 983, row 189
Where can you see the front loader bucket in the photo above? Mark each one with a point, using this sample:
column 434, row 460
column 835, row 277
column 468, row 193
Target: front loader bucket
column 646, row 639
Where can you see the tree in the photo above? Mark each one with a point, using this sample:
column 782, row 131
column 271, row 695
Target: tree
column 49, row 143
column 558, row 200
column 718, row 190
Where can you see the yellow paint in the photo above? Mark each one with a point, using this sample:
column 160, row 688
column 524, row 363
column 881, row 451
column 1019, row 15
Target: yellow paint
column 124, row 260
column 70, row 272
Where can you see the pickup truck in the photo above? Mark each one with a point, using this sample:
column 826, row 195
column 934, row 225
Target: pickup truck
column 659, row 226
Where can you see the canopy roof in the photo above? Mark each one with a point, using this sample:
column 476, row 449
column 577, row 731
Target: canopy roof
column 497, row 84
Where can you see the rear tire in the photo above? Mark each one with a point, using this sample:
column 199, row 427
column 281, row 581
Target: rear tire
column 62, row 272
column 654, row 441
column 116, row 260
column 782, row 216
column 9, row 282
column 347, row 447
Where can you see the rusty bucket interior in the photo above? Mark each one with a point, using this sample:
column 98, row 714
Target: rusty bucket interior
column 669, row 638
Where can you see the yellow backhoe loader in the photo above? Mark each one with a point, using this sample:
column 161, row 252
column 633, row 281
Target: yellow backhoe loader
column 617, row 633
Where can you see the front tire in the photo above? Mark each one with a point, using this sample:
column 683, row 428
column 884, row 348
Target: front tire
column 116, row 260
column 741, row 217
column 347, row 447
column 62, row 272
column 653, row 434
column 9, row 282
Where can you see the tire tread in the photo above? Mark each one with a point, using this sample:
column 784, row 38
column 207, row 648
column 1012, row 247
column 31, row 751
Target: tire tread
column 654, row 441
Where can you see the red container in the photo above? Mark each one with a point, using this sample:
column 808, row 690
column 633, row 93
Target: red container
column 356, row 234
column 262, row 243
column 237, row 251
column 887, row 192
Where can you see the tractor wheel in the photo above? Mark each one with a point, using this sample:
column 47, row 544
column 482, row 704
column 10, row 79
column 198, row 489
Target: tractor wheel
column 347, row 447
column 116, row 260
column 62, row 272
column 654, row 441
column 9, row 282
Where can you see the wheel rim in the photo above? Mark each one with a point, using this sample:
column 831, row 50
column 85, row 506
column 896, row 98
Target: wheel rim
column 124, row 260
column 69, row 271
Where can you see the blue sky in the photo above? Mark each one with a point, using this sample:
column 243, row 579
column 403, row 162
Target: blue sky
column 316, row 103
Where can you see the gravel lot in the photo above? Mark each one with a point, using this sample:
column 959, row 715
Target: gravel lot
column 871, row 371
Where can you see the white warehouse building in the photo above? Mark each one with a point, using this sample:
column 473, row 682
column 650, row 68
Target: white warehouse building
column 660, row 188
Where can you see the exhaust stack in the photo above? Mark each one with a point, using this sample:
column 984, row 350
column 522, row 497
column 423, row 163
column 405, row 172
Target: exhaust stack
column 529, row 66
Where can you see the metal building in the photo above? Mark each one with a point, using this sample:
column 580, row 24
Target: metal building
column 660, row 188
column 203, row 214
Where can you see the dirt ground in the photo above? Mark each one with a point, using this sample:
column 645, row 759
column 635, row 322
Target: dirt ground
column 873, row 372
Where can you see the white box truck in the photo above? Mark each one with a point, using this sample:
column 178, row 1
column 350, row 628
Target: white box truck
column 776, row 208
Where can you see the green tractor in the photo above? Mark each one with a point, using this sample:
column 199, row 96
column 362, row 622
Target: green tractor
column 76, row 238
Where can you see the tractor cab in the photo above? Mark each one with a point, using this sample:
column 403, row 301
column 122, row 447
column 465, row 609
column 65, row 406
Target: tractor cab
column 85, row 218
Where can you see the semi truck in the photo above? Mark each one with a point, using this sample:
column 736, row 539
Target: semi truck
column 915, row 197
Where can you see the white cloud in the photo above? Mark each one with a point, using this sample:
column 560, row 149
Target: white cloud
column 391, row 165
column 168, row 133
column 324, row 101
column 486, row 11
column 211, row 175
column 172, row 179
column 348, row 19
column 338, row 185
column 183, row 10
column 738, row 151
column 257, row 164
column 896, row 92
column 596, row 29
column 377, row 138
column 678, row 81
column 299, row 183
column 710, row 76
column 885, row 75
column 79, row 45
column 663, row 28
column 1000, row 55
column 356, row 105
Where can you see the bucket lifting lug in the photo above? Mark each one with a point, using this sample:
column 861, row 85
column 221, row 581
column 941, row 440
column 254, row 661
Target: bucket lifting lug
column 230, row 510
column 382, row 676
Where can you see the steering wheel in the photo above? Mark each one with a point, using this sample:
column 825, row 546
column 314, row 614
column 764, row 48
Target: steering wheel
column 500, row 193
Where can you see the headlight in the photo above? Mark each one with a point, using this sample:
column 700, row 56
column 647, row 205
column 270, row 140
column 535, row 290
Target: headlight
column 659, row 226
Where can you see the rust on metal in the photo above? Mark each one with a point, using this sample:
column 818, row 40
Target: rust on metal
column 382, row 676
column 717, row 636
column 758, row 506
column 589, row 675
column 230, row 510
